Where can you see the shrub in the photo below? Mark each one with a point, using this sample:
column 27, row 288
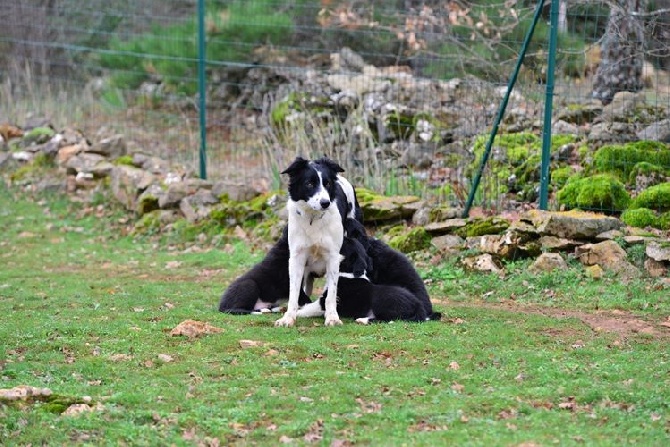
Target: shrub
column 170, row 52
column 600, row 192
column 655, row 197
column 639, row 218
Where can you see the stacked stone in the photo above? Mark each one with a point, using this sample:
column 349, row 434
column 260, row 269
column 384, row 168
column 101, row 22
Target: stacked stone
column 622, row 52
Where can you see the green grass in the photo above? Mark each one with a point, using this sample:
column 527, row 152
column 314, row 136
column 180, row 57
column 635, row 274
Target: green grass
column 87, row 312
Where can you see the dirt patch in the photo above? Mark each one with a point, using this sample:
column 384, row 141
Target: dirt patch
column 624, row 324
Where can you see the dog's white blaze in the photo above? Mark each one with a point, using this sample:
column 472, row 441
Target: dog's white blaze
column 321, row 193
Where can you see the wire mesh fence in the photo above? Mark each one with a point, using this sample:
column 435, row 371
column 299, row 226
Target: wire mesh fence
column 403, row 94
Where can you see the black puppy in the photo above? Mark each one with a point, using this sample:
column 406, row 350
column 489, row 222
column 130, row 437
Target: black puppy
column 361, row 298
column 259, row 289
column 392, row 268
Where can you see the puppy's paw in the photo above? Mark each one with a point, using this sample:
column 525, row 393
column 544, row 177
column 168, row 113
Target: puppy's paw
column 333, row 321
column 365, row 320
column 285, row 321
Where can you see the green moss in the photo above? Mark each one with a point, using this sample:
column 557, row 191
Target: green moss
column 124, row 160
column 561, row 140
column 529, row 171
column 21, row 173
column 149, row 223
column 38, row 135
column 146, row 204
column 664, row 221
column 646, row 169
column 413, row 240
column 655, row 197
column 560, row 176
column 481, row 227
column 402, row 124
column 621, row 159
column 599, row 192
column 639, row 218
column 57, row 404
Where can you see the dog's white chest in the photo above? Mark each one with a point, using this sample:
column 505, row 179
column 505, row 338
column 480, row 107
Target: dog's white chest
column 318, row 238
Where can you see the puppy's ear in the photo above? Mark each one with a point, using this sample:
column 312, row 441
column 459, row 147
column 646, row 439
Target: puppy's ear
column 298, row 164
column 331, row 164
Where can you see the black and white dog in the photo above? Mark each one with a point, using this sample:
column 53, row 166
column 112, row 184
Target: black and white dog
column 319, row 201
column 261, row 288
column 400, row 296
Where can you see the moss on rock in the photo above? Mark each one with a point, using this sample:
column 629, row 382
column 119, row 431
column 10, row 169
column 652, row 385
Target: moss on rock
column 599, row 192
column 414, row 239
column 481, row 227
column 640, row 218
column 560, row 176
column 655, row 197
column 38, row 135
column 621, row 159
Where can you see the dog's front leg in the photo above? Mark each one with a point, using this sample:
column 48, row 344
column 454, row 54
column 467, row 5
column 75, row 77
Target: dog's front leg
column 296, row 271
column 332, row 275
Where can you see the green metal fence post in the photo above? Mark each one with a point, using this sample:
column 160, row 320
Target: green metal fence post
column 548, row 106
column 202, row 90
column 501, row 110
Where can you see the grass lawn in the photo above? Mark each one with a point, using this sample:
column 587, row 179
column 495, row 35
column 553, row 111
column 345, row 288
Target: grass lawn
column 87, row 312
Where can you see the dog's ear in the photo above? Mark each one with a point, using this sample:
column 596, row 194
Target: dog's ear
column 298, row 164
column 331, row 164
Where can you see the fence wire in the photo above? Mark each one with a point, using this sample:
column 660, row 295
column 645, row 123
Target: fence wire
column 402, row 94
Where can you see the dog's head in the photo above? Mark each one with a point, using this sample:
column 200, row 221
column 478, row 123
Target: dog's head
column 313, row 182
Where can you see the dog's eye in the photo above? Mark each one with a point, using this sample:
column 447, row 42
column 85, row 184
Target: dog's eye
column 326, row 184
column 309, row 184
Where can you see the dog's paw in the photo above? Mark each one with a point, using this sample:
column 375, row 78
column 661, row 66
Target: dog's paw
column 333, row 321
column 285, row 321
column 365, row 320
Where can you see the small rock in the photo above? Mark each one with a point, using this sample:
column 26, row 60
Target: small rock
column 594, row 271
column 483, row 263
column 658, row 252
column 548, row 262
column 655, row 269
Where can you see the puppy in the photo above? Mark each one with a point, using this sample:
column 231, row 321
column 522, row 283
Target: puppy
column 317, row 208
column 259, row 289
column 392, row 268
column 362, row 299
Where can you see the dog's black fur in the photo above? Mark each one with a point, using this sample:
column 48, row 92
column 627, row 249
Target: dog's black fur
column 399, row 293
column 392, row 268
column 266, row 282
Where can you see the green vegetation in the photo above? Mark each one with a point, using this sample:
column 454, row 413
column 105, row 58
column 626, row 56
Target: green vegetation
column 170, row 52
column 622, row 160
column 485, row 50
column 655, row 197
column 481, row 227
column 600, row 192
column 93, row 318
column 414, row 239
column 640, row 217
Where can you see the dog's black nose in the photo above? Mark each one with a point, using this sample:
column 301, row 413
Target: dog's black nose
column 325, row 204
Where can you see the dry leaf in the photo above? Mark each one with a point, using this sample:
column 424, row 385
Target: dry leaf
column 244, row 344
column 172, row 265
column 120, row 357
column 165, row 358
column 194, row 329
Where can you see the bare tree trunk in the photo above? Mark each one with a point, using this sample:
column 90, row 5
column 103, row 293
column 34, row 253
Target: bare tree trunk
column 622, row 51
